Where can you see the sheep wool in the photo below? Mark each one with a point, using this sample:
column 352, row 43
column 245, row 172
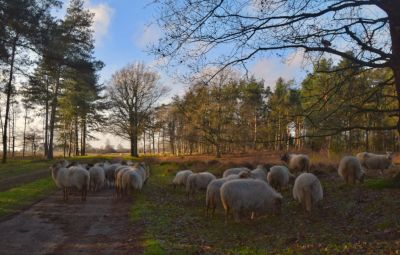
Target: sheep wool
column 279, row 176
column 297, row 162
column 350, row 170
column 181, row 178
column 307, row 190
column 249, row 195
column 198, row 181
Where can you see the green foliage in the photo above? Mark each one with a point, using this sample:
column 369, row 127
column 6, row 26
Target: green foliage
column 15, row 199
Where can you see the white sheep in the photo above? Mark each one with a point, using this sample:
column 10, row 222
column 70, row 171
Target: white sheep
column 307, row 190
column 213, row 195
column 235, row 170
column 72, row 177
column 118, row 179
column 131, row 180
column 109, row 170
column 297, row 162
column 249, row 195
column 143, row 170
column 198, row 181
column 379, row 162
column 181, row 178
column 260, row 173
column 279, row 177
column 97, row 177
column 350, row 170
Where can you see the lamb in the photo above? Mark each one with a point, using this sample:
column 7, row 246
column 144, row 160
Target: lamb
column 235, row 170
column 350, row 170
column 72, row 177
column 297, row 162
column 97, row 177
column 181, row 178
column 213, row 196
column 279, row 177
column 249, row 195
column 373, row 161
column 260, row 173
column 307, row 190
column 198, row 181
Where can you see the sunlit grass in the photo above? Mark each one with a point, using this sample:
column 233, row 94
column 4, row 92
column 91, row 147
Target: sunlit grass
column 13, row 200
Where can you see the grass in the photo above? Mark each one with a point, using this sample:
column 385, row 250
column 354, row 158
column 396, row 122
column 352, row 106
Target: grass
column 22, row 166
column 15, row 199
column 350, row 220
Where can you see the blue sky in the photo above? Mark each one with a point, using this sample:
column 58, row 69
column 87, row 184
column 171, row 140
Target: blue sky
column 123, row 29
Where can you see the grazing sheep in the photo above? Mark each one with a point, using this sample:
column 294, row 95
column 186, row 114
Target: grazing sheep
column 279, row 177
column 181, row 178
column 307, row 190
column 198, row 181
column 213, row 195
column 235, row 170
column 72, row 177
column 297, row 162
column 350, row 170
column 260, row 173
column 380, row 162
column 249, row 195
column 361, row 156
column 97, row 177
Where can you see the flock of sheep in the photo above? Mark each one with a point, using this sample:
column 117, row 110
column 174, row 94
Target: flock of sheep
column 124, row 176
column 241, row 190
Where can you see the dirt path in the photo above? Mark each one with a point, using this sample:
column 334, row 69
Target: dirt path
column 15, row 181
column 98, row 226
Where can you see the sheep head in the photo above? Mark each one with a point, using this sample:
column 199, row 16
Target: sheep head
column 285, row 157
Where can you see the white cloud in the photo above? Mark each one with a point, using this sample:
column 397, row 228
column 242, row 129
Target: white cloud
column 270, row 69
column 102, row 19
column 149, row 35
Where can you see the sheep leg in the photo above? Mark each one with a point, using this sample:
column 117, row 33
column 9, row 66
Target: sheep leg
column 352, row 179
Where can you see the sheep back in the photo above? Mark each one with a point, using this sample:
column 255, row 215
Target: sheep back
column 307, row 190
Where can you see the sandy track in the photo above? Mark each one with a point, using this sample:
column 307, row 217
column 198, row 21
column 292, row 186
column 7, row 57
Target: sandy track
column 100, row 225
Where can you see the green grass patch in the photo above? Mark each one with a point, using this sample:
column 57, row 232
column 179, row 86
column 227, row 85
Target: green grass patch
column 342, row 224
column 15, row 199
column 22, row 166
column 380, row 184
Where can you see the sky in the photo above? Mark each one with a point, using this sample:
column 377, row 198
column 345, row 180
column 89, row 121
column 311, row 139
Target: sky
column 123, row 30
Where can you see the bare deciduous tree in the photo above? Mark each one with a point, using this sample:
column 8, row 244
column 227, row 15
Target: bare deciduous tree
column 133, row 93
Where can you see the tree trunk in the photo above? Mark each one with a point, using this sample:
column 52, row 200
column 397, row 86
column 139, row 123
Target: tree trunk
column 46, row 124
column 76, row 136
column 134, row 145
column 83, row 136
column 392, row 9
column 24, row 141
column 53, row 117
column 8, row 91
